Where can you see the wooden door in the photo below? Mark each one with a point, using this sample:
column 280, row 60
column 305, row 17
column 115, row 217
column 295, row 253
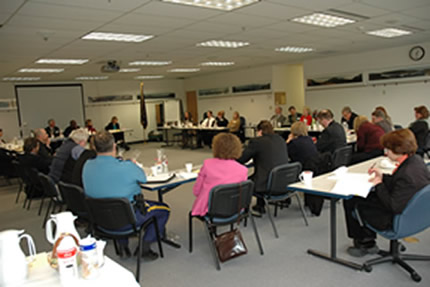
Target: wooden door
column 192, row 105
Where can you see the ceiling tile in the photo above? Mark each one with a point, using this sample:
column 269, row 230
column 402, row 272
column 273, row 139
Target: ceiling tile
column 312, row 4
column 242, row 20
column 271, row 10
column 116, row 5
column 395, row 5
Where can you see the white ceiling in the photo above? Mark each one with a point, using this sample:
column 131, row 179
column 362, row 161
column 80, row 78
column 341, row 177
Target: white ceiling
column 36, row 29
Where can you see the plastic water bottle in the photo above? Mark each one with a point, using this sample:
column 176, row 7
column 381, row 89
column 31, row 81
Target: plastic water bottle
column 345, row 126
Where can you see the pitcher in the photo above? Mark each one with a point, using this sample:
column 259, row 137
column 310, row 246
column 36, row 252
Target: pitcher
column 65, row 223
column 13, row 264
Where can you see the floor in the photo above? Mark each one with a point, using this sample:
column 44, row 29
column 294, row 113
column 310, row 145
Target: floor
column 285, row 261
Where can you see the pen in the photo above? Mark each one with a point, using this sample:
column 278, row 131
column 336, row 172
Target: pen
column 373, row 165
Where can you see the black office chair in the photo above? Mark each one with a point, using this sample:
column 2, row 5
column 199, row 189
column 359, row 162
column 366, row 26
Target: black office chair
column 223, row 210
column 241, row 132
column 426, row 148
column 50, row 191
column 7, row 170
column 280, row 177
column 108, row 215
column 20, row 172
column 341, row 157
column 34, row 188
column 74, row 198
column 414, row 219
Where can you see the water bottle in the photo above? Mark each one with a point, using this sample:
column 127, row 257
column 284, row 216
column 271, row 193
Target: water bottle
column 345, row 127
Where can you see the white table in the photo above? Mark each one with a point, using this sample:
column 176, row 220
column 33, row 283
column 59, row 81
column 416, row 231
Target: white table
column 111, row 274
column 322, row 185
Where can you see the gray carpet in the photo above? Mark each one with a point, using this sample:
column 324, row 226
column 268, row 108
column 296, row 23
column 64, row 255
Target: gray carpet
column 285, row 262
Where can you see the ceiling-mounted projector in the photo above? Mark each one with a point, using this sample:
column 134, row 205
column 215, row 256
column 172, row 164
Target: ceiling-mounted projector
column 110, row 67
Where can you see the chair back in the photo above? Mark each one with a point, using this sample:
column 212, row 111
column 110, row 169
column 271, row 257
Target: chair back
column 48, row 184
column 341, row 157
column 110, row 213
column 74, row 198
column 281, row 176
column 224, row 200
column 241, row 132
column 427, row 142
column 415, row 217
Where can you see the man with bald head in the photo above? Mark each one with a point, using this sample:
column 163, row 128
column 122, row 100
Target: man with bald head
column 44, row 150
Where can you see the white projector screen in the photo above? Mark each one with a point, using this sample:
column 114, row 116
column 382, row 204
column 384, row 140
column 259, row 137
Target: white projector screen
column 38, row 104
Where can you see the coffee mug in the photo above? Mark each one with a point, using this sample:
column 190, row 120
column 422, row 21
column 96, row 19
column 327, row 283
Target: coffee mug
column 189, row 167
column 306, row 177
column 154, row 170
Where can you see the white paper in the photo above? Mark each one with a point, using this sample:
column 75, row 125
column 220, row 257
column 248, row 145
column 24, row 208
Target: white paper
column 187, row 175
column 356, row 184
column 159, row 177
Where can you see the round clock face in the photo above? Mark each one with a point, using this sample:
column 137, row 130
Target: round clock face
column 417, row 53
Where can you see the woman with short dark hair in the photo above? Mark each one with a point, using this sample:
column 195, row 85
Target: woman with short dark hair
column 221, row 169
column 420, row 127
column 391, row 192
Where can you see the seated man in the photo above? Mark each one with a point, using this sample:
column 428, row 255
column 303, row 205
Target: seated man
column 348, row 116
column 206, row 136
column 294, row 116
column 66, row 156
column 32, row 159
column 73, row 126
column 44, row 148
column 52, row 130
column 267, row 151
column 108, row 177
column 333, row 136
column 278, row 119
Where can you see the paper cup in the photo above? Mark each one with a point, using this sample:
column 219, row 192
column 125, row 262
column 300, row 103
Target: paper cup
column 189, row 167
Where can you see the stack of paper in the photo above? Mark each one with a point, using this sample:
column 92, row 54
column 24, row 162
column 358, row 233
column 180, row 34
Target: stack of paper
column 356, row 184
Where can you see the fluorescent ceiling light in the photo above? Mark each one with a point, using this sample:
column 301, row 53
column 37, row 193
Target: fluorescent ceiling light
column 389, row 32
column 226, row 5
column 290, row 49
column 149, row 77
column 41, row 70
column 92, row 78
column 62, row 61
column 223, row 44
column 184, row 70
column 149, row 63
column 324, row 20
column 129, row 70
column 101, row 36
column 17, row 79
column 217, row 64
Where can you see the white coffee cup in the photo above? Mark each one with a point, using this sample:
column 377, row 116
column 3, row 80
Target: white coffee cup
column 154, row 170
column 189, row 167
column 306, row 177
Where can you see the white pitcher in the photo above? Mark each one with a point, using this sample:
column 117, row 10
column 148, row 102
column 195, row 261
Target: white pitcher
column 13, row 264
column 65, row 223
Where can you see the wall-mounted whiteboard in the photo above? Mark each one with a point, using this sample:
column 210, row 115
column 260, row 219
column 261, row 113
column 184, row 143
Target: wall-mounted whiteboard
column 37, row 104
column 254, row 107
column 398, row 99
column 171, row 111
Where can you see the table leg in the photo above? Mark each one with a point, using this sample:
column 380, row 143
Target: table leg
column 166, row 134
column 333, row 257
column 166, row 239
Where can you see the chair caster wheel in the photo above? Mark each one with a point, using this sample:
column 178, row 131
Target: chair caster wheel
column 367, row 268
column 402, row 248
column 415, row 277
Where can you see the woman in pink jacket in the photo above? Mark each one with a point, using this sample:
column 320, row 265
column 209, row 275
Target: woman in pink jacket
column 221, row 169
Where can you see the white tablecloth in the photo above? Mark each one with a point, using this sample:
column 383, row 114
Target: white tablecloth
column 111, row 274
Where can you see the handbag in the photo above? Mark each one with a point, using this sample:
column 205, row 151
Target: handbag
column 230, row 244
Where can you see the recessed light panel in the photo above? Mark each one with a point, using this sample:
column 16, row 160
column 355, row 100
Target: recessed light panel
column 133, row 70
column 92, row 78
column 184, row 70
column 225, row 5
column 41, row 70
column 62, row 61
column 118, row 37
column 291, row 49
column 149, row 63
column 223, row 44
column 217, row 64
column 17, row 79
column 149, row 77
column 323, row 20
column 389, row 33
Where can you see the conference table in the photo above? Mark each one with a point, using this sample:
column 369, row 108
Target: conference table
column 187, row 129
column 111, row 274
column 323, row 185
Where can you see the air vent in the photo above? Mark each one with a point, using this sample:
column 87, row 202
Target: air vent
column 412, row 28
column 346, row 14
column 251, row 88
column 213, row 92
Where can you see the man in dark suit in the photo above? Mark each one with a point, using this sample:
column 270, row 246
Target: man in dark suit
column 52, row 130
column 45, row 150
column 333, row 136
column 31, row 158
column 267, row 151
column 391, row 193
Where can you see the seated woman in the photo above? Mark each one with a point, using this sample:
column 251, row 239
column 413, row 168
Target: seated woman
column 221, row 121
column 368, row 140
column 390, row 195
column 221, row 169
column 420, row 127
column 89, row 126
column 306, row 116
column 300, row 145
column 234, row 124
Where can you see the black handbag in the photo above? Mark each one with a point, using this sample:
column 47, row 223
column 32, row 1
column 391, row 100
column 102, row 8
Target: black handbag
column 230, row 244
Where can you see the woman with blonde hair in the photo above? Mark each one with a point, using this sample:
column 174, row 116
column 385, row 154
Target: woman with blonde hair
column 368, row 140
column 306, row 116
column 234, row 124
column 300, row 145
column 221, row 169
